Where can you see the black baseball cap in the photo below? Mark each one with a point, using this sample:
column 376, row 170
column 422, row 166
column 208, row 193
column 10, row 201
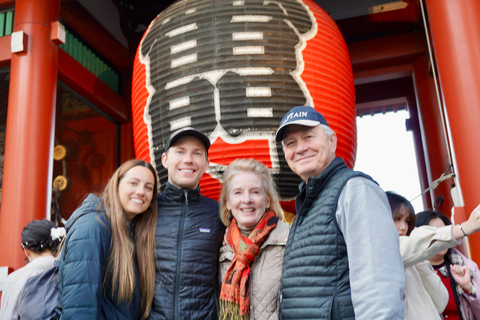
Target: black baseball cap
column 303, row 115
column 187, row 131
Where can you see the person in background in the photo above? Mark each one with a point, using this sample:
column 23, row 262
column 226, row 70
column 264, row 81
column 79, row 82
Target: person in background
column 107, row 264
column 40, row 242
column 334, row 251
column 251, row 259
column 189, row 234
column 425, row 295
column 458, row 273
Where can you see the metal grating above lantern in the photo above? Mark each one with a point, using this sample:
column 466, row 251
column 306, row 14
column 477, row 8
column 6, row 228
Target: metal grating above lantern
column 232, row 69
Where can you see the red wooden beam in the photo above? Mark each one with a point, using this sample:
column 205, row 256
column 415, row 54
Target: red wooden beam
column 383, row 74
column 430, row 117
column 77, row 77
column 6, row 3
column 30, row 127
column 396, row 21
column 5, row 51
column 387, row 52
column 455, row 32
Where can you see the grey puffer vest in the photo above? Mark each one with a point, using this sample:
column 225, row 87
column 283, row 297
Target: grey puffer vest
column 315, row 280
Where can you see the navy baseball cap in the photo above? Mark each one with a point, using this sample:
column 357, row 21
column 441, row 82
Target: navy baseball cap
column 304, row 116
column 187, row 131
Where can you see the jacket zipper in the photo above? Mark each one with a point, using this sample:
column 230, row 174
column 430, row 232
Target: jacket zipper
column 179, row 255
column 293, row 228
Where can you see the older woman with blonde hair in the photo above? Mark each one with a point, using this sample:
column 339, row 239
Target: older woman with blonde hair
column 107, row 266
column 251, row 259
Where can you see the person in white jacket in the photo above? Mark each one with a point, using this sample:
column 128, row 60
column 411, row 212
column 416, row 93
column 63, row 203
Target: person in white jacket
column 425, row 295
column 40, row 243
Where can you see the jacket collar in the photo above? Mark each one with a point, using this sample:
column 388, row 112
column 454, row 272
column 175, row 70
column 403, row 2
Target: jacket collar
column 315, row 184
column 310, row 190
column 90, row 205
column 277, row 237
column 173, row 193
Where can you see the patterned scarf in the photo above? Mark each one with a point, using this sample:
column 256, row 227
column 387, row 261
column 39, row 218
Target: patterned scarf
column 235, row 292
column 456, row 258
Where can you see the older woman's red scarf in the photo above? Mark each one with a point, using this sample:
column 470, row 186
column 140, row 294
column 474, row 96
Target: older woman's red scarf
column 235, row 292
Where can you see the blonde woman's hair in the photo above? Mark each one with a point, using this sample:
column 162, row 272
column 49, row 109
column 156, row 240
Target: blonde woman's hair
column 241, row 166
column 128, row 247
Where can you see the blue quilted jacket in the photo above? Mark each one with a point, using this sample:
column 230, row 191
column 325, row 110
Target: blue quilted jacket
column 82, row 269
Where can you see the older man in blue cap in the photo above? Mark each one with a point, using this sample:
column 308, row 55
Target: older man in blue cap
column 342, row 259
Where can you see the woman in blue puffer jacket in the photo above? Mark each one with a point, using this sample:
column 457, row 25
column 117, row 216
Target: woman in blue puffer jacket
column 107, row 266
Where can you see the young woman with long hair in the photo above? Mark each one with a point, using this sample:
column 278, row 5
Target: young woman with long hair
column 107, row 266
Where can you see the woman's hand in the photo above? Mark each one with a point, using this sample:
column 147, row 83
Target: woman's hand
column 470, row 226
column 461, row 275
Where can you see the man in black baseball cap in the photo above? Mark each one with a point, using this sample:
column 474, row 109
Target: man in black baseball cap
column 189, row 162
column 187, row 131
column 188, row 235
column 338, row 211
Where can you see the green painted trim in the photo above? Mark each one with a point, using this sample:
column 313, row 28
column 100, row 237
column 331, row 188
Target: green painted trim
column 9, row 23
column 2, row 24
column 6, row 23
column 77, row 49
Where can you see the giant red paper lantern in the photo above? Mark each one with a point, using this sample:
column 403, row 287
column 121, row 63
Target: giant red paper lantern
column 232, row 69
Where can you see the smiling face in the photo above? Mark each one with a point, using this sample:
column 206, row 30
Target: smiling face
column 307, row 150
column 186, row 162
column 247, row 199
column 135, row 190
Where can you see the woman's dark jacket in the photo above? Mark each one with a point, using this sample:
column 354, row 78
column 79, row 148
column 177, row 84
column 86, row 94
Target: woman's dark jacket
column 188, row 237
column 82, row 268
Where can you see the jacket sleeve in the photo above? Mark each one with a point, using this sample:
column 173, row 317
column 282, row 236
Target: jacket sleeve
column 84, row 261
column 377, row 277
column 434, row 285
column 425, row 242
column 472, row 302
column 12, row 288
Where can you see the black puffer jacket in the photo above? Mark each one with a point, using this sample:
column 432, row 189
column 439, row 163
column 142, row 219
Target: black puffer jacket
column 188, row 237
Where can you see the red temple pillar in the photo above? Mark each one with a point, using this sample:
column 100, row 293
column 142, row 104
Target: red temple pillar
column 27, row 171
column 455, row 29
column 435, row 147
